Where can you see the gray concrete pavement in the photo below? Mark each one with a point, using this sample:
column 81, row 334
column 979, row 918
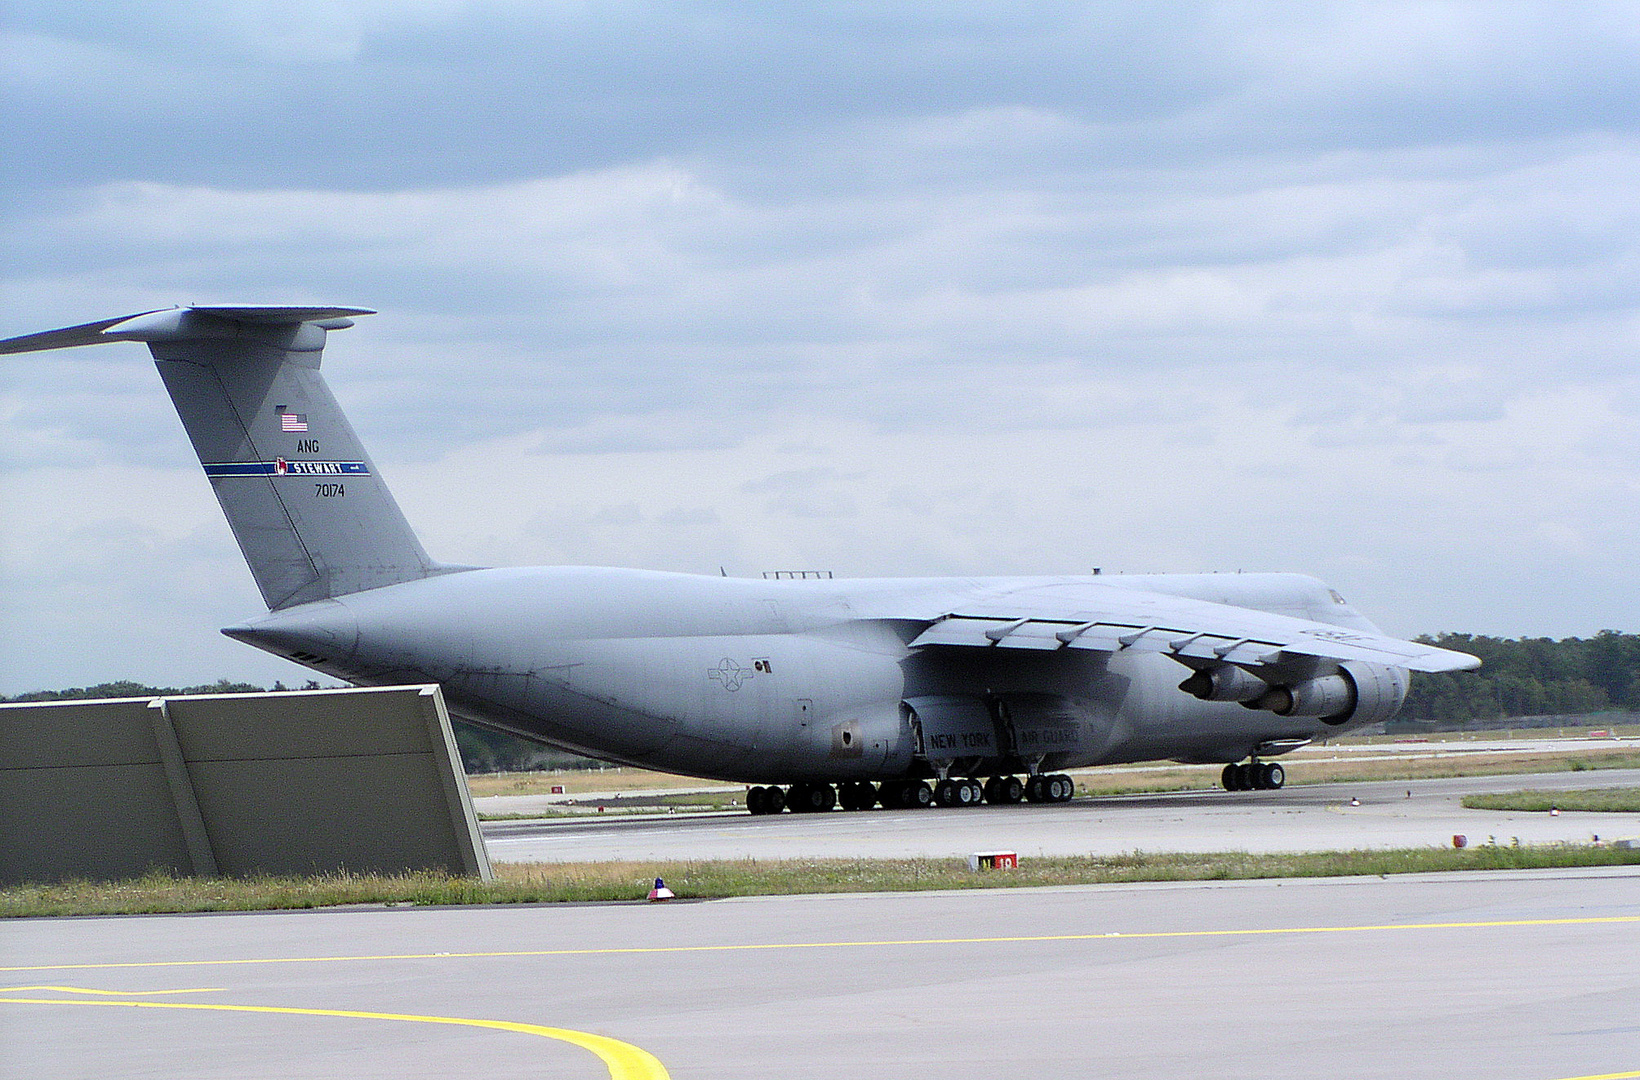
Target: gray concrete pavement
column 1309, row 818
column 1521, row 976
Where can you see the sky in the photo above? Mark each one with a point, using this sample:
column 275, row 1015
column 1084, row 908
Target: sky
column 883, row 289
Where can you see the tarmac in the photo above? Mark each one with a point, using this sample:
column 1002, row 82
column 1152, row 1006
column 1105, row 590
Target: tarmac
column 1320, row 817
column 1527, row 975
column 1524, row 975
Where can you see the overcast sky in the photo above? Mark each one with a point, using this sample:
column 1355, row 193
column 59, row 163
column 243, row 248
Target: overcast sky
column 885, row 289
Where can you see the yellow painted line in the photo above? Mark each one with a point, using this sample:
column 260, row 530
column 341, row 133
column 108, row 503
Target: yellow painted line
column 656, row 950
column 624, row 1061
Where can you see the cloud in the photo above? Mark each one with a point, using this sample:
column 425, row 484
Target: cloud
column 890, row 290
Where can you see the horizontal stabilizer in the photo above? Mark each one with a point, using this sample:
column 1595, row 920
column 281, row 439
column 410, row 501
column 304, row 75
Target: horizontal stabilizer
column 180, row 323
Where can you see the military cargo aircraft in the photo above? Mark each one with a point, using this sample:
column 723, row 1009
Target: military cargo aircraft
column 815, row 691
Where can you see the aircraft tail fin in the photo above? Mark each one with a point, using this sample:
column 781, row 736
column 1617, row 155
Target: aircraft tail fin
column 309, row 510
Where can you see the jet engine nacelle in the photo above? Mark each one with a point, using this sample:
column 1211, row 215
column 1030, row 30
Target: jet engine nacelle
column 1359, row 694
column 1225, row 683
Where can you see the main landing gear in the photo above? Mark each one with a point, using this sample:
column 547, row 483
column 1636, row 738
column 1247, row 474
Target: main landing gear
column 1004, row 789
column 905, row 795
column 1056, row 788
column 765, row 800
column 958, row 792
column 1253, row 776
column 806, row 797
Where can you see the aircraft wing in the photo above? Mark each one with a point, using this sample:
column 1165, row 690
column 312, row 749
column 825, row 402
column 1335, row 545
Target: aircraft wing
column 1108, row 619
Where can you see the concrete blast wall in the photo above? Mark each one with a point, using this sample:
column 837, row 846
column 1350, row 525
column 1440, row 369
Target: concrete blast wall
column 293, row 783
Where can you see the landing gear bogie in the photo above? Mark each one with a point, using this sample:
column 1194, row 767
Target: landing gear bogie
column 959, row 793
column 765, row 800
column 1055, row 788
column 905, row 795
column 1004, row 790
column 806, row 798
column 856, row 795
column 1253, row 776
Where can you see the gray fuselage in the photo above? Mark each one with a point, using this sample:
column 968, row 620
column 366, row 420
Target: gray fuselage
column 784, row 681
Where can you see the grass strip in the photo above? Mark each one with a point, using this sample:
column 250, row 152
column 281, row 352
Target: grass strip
column 530, row 883
column 1597, row 800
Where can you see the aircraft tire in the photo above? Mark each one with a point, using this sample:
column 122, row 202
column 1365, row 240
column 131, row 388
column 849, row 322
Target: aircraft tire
column 921, row 796
column 1274, row 776
column 809, row 798
column 1228, row 778
column 1013, row 791
column 967, row 793
column 993, row 789
column 757, row 800
column 774, row 800
column 1034, row 790
column 944, row 793
column 1061, row 788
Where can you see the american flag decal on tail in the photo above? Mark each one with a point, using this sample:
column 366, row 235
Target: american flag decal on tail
column 293, row 421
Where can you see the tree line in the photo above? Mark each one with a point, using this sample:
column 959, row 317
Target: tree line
column 1529, row 677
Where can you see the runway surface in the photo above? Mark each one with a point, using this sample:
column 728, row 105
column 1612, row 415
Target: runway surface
column 1317, row 817
column 1518, row 976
